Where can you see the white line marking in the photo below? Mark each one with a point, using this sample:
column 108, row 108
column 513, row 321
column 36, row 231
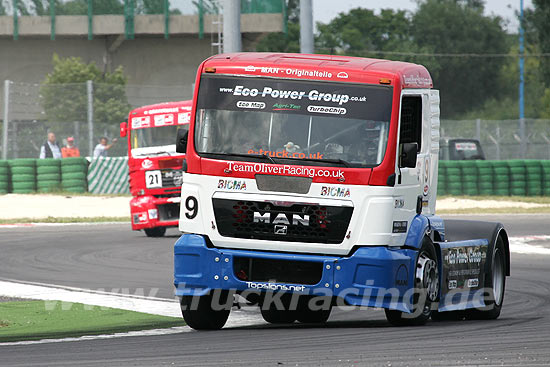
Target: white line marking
column 52, row 294
column 38, row 224
column 520, row 245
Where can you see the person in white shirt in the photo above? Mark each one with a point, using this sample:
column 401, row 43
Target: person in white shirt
column 102, row 148
column 50, row 149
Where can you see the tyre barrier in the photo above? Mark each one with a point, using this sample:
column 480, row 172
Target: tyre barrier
column 73, row 174
column 48, row 175
column 22, row 175
column 4, row 177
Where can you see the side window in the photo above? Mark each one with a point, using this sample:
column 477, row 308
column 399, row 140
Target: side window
column 411, row 120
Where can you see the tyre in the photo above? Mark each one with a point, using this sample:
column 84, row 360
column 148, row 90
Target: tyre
column 49, row 177
column 74, row 161
column 47, row 170
column 78, row 190
column 74, row 176
column 48, row 184
column 427, row 289
column 496, row 284
column 155, row 231
column 22, row 162
column 48, row 162
column 72, row 169
column 501, row 171
column 518, row 170
column 200, row 315
column 22, row 170
column 23, row 186
column 306, row 315
column 273, row 315
column 454, row 171
column 23, row 178
column 73, row 183
column 4, row 171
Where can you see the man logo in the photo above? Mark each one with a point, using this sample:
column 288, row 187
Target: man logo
column 281, row 218
column 280, row 229
column 402, row 276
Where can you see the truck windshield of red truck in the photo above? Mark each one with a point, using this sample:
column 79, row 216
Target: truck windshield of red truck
column 154, row 139
column 292, row 122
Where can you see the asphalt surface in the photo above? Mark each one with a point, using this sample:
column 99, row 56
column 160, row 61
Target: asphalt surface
column 111, row 257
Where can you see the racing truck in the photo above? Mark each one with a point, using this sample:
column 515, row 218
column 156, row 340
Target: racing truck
column 154, row 165
column 310, row 182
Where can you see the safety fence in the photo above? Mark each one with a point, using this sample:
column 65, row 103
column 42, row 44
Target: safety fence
column 499, row 178
column 110, row 176
column 127, row 10
column 73, row 175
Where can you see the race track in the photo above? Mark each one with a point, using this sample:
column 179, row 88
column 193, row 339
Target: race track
column 111, row 257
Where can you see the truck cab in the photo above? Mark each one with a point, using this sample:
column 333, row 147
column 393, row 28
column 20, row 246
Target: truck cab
column 154, row 165
column 316, row 176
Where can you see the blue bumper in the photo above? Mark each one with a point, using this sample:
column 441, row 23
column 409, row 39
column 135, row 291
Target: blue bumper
column 372, row 276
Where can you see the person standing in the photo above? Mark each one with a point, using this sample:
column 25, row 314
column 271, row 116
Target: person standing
column 50, row 149
column 102, row 148
column 70, row 150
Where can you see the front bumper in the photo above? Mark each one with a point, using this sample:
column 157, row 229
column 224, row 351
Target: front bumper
column 147, row 212
column 375, row 276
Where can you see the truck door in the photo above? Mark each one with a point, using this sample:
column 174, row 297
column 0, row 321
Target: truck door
column 414, row 127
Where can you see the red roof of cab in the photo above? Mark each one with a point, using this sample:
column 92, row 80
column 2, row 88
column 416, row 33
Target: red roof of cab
column 321, row 67
column 158, row 106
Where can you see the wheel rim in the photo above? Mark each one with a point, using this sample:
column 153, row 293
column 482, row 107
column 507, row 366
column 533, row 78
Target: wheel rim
column 427, row 276
column 498, row 277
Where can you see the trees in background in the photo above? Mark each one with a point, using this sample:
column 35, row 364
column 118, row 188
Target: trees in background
column 449, row 37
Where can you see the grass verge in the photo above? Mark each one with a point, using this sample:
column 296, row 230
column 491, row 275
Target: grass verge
column 523, row 199
column 35, row 320
column 508, row 210
column 65, row 220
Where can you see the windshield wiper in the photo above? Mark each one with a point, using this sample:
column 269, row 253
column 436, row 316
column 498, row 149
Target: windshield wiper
column 155, row 153
column 340, row 161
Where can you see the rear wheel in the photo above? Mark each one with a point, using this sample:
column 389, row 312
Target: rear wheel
column 495, row 284
column 155, row 231
column 200, row 313
column 426, row 289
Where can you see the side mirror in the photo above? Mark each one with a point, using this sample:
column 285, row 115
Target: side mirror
column 407, row 159
column 181, row 141
column 123, row 129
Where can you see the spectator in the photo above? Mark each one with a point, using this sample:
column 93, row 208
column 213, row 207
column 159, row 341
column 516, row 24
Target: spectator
column 70, row 150
column 102, row 148
column 50, row 149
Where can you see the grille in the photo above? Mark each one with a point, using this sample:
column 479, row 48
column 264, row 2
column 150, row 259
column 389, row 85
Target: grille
column 277, row 271
column 281, row 222
column 169, row 211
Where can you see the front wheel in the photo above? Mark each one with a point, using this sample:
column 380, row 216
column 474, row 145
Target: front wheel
column 155, row 231
column 200, row 313
column 426, row 289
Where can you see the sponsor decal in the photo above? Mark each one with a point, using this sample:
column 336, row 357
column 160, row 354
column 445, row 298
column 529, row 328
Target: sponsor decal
column 286, row 170
column 399, row 203
column 164, row 120
column 402, row 276
column 140, row 218
column 342, row 75
column 327, row 109
column 286, row 154
column 281, row 218
column 452, row 284
column 462, row 266
column 399, row 226
column 341, row 192
column 161, row 110
column 153, row 213
column 290, row 71
column 232, row 185
column 251, row 105
column 285, row 107
column 465, row 255
column 147, row 163
column 418, row 80
column 312, row 95
column 275, row 286
column 473, row 283
column 141, row 122
column 186, row 108
column 466, row 146
column 184, row 118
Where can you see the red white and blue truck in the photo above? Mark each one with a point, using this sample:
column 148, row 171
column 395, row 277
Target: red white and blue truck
column 154, row 165
column 310, row 181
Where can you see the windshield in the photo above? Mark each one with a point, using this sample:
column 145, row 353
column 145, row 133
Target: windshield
column 293, row 122
column 465, row 149
column 155, row 140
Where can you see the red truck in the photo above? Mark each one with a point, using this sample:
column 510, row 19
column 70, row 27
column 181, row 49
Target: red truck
column 154, row 166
